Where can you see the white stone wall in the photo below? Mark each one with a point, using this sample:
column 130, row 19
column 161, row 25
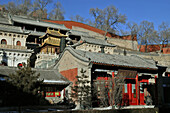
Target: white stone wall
column 13, row 58
column 12, row 38
column 95, row 48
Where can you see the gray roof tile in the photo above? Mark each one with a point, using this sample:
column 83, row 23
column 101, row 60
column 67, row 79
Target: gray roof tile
column 78, row 33
column 92, row 40
column 14, row 29
column 49, row 76
column 31, row 21
column 118, row 60
column 4, row 20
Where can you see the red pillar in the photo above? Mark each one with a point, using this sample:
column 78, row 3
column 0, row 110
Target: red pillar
column 137, row 90
column 129, row 86
column 113, row 75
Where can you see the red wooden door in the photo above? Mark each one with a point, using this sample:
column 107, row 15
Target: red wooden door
column 130, row 94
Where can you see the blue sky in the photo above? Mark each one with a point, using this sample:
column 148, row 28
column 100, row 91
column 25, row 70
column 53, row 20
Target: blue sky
column 155, row 11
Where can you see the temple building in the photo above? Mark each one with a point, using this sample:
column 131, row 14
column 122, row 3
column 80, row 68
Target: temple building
column 66, row 47
column 13, row 50
column 140, row 74
column 52, row 42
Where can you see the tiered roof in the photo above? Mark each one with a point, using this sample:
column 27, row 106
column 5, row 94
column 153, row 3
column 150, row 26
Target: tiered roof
column 52, row 37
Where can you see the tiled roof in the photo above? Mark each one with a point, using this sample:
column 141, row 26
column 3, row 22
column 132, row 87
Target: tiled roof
column 113, row 60
column 78, row 33
column 49, row 76
column 92, row 40
column 14, row 29
column 168, row 70
column 70, row 24
column 31, row 21
column 4, row 20
column 52, row 41
column 54, row 33
column 36, row 33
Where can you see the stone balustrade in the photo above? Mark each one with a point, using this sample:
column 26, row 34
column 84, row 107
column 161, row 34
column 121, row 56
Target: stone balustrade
column 12, row 47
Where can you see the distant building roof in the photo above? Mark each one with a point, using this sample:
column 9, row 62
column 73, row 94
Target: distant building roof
column 4, row 20
column 14, row 29
column 49, row 76
column 78, row 33
column 112, row 60
column 92, row 40
column 31, row 21
column 168, row 70
column 36, row 33
column 70, row 24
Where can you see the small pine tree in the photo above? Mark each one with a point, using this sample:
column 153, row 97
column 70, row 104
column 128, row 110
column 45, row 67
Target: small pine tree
column 81, row 91
column 26, row 84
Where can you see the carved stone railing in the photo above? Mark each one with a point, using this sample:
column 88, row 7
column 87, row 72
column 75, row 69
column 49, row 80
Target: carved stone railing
column 12, row 47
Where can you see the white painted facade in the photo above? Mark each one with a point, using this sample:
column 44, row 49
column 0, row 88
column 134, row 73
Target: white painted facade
column 11, row 53
column 12, row 38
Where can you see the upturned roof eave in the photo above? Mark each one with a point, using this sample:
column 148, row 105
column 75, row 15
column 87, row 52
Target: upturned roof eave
column 89, row 61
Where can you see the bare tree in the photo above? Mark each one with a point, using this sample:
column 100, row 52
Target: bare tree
column 163, row 36
column 57, row 13
column 39, row 6
column 78, row 18
column 116, row 85
column 118, row 90
column 146, row 33
column 19, row 7
column 101, row 89
column 134, row 29
column 98, row 16
column 107, row 19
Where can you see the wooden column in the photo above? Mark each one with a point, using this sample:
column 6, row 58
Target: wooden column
column 62, row 44
column 36, row 40
column 112, row 102
column 129, row 86
column 137, row 90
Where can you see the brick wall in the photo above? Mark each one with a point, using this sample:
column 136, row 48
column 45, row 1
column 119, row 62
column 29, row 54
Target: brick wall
column 70, row 74
column 166, row 50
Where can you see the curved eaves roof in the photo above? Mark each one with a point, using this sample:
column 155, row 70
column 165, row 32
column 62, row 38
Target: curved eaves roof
column 38, row 23
column 14, row 29
column 115, row 60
